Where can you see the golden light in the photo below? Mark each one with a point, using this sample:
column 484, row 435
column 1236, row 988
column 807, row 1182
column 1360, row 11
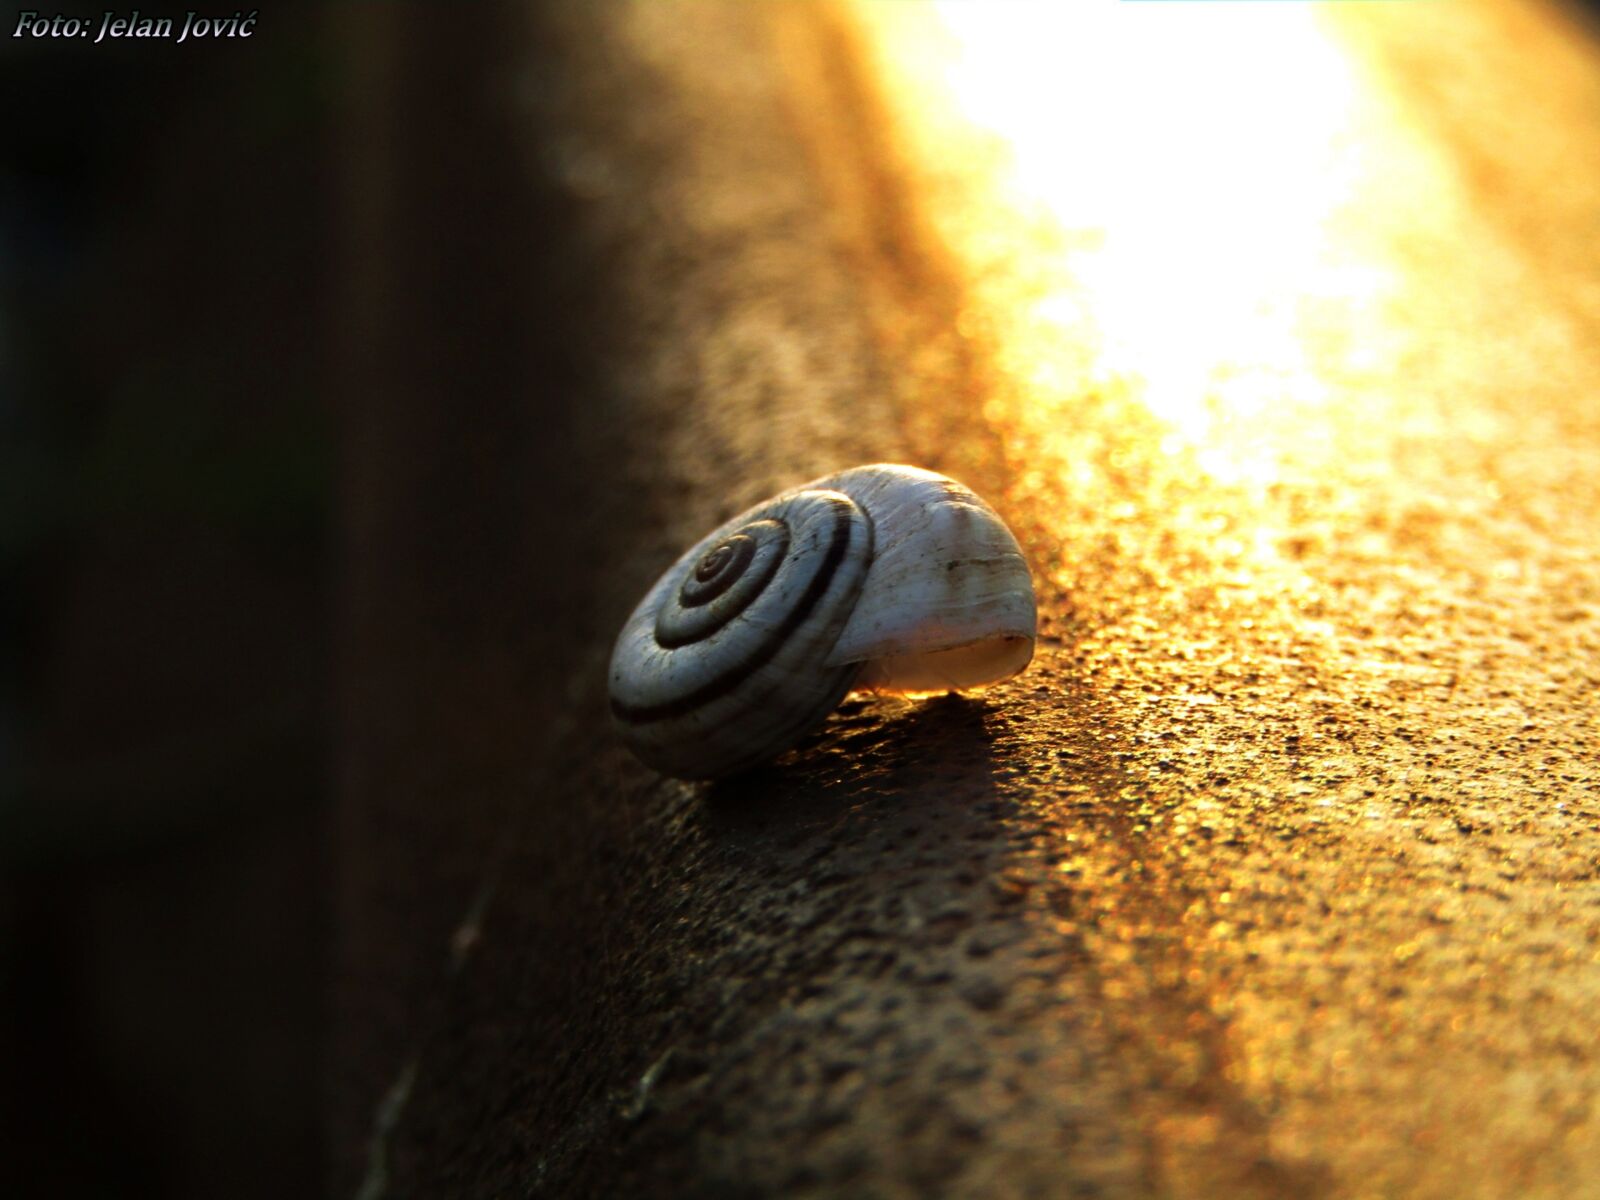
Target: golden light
column 1162, row 187
column 1286, row 318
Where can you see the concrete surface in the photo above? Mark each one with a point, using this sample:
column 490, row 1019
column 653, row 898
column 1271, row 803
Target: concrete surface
column 1275, row 876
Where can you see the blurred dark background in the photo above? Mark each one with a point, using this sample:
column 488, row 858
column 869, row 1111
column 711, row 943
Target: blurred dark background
column 166, row 456
column 168, row 268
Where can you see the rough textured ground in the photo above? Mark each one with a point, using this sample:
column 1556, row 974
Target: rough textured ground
column 1275, row 876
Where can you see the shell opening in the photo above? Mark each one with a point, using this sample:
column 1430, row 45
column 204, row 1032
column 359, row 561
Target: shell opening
column 935, row 672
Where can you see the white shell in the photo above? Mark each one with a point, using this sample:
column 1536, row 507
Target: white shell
column 883, row 577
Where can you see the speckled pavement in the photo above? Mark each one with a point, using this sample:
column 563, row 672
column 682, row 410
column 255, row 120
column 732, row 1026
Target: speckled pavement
column 1277, row 875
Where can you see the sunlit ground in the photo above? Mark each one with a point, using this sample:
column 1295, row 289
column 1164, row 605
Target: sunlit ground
column 1288, row 317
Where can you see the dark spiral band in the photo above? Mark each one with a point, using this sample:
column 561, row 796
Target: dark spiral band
column 717, row 571
column 724, row 582
column 763, row 652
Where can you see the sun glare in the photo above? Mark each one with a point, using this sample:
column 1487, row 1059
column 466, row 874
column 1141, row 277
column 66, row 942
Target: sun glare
column 1170, row 174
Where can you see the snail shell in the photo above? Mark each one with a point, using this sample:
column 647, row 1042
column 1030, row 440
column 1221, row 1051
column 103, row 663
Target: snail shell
column 884, row 577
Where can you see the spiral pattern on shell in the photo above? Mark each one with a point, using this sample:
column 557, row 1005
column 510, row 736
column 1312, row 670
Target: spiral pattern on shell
column 716, row 666
column 884, row 577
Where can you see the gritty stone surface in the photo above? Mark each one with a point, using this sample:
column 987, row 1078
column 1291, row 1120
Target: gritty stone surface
column 1276, row 874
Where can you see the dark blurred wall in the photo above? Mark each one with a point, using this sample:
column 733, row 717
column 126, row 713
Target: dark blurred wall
column 164, row 480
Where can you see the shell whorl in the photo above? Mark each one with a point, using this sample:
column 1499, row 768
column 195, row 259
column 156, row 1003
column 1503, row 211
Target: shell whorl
column 885, row 577
column 721, row 660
